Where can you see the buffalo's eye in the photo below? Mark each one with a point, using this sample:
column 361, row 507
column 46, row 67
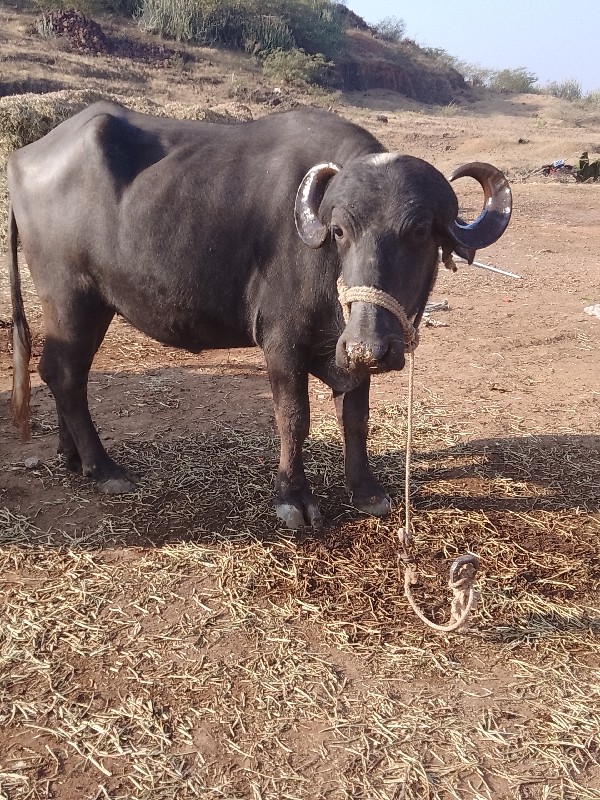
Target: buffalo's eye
column 338, row 232
column 421, row 231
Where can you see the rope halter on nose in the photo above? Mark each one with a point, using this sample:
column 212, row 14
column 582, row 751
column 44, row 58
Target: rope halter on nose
column 368, row 294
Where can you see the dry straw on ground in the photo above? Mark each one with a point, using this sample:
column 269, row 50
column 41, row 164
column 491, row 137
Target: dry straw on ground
column 185, row 647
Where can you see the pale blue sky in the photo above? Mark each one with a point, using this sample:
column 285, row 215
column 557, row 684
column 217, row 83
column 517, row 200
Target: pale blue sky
column 554, row 39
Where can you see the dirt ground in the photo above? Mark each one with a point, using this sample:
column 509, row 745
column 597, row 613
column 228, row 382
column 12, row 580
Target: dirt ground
column 507, row 378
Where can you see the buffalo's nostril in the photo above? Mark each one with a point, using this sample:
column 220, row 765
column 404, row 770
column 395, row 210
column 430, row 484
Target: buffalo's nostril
column 364, row 355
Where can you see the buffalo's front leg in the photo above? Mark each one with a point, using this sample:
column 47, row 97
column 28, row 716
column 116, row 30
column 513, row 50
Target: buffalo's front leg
column 366, row 493
column 294, row 501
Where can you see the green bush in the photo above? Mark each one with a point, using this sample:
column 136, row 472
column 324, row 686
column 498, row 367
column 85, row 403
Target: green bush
column 85, row 6
column 391, row 29
column 514, row 81
column 291, row 66
column 316, row 26
column 441, row 56
column 266, row 34
column 567, row 90
column 126, row 8
column 185, row 20
column 257, row 27
column 593, row 98
column 174, row 19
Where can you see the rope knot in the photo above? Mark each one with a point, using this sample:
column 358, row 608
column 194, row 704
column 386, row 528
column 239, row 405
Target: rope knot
column 464, row 599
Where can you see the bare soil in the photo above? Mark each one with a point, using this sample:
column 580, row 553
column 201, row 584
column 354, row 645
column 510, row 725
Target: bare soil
column 510, row 360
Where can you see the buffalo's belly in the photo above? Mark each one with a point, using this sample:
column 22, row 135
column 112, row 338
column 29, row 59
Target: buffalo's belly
column 193, row 334
column 178, row 302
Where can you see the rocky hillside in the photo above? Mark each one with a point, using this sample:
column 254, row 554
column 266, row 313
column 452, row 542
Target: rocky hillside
column 372, row 63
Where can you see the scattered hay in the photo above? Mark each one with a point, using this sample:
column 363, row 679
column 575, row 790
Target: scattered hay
column 27, row 117
column 186, row 647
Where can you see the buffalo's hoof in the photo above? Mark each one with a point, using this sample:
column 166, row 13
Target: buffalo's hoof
column 295, row 519
column 72, row 462
column 116, row 486
column 375, row 506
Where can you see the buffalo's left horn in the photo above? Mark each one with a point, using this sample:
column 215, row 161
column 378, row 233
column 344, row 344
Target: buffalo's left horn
column 310, row 193
column 495, row 216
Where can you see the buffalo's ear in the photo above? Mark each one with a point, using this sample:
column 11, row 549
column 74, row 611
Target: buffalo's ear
column 447, row 246
column 450, row 246
column 310, row 193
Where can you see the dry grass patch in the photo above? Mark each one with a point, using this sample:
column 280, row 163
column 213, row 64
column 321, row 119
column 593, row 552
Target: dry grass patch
column 186, row 647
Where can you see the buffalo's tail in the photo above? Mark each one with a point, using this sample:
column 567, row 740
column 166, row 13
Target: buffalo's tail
column 21, row 388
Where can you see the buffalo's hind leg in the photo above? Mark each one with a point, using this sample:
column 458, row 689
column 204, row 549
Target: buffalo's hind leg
column 295, row 503
column 67, row 447
column 366, row 493
column 75, row 328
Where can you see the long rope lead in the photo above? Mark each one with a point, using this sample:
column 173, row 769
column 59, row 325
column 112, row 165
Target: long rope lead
column 463, row 570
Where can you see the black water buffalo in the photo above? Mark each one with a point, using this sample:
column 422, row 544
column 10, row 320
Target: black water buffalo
column 215, row 236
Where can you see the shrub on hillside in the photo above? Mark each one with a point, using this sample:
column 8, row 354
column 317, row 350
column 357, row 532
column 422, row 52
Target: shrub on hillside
column 567, row 90
column 513, row 81
column 441, row 56
column 392, row 29
column 231, row 24
column 292, row 66
column 593, row 98
column 316, row 25
column 256, row 26
column 263, row 34
column 126, row 8
column 85, row 6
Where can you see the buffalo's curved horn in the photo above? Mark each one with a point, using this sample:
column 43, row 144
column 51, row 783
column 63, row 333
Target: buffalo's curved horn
column 311, row 230
column 495, row 216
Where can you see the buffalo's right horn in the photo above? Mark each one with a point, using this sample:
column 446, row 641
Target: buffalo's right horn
column 495, row 216
column 310, row 193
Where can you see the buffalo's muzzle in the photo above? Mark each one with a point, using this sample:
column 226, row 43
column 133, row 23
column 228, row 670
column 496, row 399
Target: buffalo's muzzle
column 362, row 356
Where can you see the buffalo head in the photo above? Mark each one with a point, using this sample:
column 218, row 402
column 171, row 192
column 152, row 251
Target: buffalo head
column 387, row 216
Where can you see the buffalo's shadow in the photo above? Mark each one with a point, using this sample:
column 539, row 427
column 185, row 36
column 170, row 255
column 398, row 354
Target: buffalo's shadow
column 519, row 474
